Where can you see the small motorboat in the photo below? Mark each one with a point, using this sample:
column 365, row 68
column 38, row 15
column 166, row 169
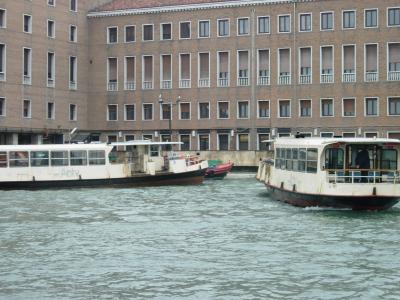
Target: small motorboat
column 218, row 170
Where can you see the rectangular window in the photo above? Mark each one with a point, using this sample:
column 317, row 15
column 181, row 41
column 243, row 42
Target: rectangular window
column 39, row 158
column 166, row 31
column 26, row 109
column 349, row 107
column 204, row 142
column 326, row 107
column 394, row 16
column 50, row 110
column 166, row 71
column 263, row 109
column 97, row 157
column 51, row 29
column 51, row 2
column 305, row 65
column 147, row 72
column 305, row 22
column 394, row 106
column 112, row 35
column 223, row 110
column 50, row 69
column 73, row 5
column 243, row 27
column 147, row 111
column 78, row 157
column 112, row 112
column 284, row 109
column 305, row 108
column 204, row 70
column 112, row 74
column 184, row 70
column 130, row 33
column 349, row 19
column 27, row 67
column 27, row 24
column 243, row 141
column 73, row 36
column 148, row 32
column 326, row 21
column 261, row 145
column 129, row 73
column 284, row 24
column 184, row 30
column 223, row 141
column 243, row 68
column 2, row 62
column 184, row 111
column 73, row 115
column 243, row 110
column 371, row 18
column 204, row 29
column 166, row 109
column 371, row 107
column 3, row 18
column 204, row 110
column 223, row 27
column 129, row 112
column 2, row 107
column 263, row 25
column 185, row 139
column 72, row 73
column 263, row 67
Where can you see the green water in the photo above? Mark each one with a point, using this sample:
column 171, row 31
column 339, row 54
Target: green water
column 221, row 240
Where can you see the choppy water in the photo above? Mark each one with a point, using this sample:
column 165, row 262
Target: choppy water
column 221, row 240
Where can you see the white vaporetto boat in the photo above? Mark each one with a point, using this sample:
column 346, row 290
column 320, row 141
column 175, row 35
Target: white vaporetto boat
column 86, row 165
column 355, row 173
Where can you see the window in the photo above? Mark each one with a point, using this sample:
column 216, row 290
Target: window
column 326, row 21
column 371, row 18
column 243, row 110
column 26, row 109
column 129, row 34
column 284, row 109
column 2, row 62
column 394, row 106
column 3, row 18
column 50, row 110
column 73, row 116
column 51, row 28
column 305, row 22
column 50, row 69
column 223, row 27
column 243, row 141
column 185, row 139
column 284, row 24
column 204, row 110
column 18, row 158
column 312, row 160
column 148, row 32
column 349, row 19
column 166, row 109
column 184, row 111
column 147, row 111
column 112, row 35
column 263, row 25
column 97, row 157
column 72, row 73
column 263, row 146
column 147, row 72
column 263, row 109
column 129, row 112
column 3, row 159
column 371, row 107
column 394, row 16
column 223, row 141
column 204, row 142
column 112, row 112
column 112, row 74
column 78, row 157
column 73, row 6
column 243, row 26
column 305, row 108
column 326, row 107
column 27, row 24
column 166, row 31
column 223, row 110
column 184, row 30
column 2, row 107
column 51, row 2
column 73, row 37
column 204, row 29
column 349, row 107
column 27, row 67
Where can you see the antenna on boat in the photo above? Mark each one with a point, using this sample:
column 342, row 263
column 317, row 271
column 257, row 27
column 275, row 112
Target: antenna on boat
column 71, row 133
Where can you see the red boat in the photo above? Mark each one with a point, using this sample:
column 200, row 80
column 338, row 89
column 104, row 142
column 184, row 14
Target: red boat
column 218, row 170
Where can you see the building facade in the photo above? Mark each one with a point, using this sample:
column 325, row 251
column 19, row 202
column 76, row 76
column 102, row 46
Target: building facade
column 215, row 75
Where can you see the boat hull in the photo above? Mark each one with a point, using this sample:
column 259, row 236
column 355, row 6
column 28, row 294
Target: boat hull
column 219, row 171
column 140, row 180
column 349, row 202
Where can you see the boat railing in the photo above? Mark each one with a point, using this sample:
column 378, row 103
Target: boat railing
column 363, row 176
column 192, row 160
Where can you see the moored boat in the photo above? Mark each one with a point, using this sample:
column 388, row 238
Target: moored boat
column 354, row 173
column 217, row 169
column 142, row 163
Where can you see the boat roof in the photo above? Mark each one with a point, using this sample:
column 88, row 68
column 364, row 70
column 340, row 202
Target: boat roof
column 55, row 147
column 317, row 141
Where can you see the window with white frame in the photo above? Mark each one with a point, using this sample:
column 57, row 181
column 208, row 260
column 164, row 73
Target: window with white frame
column 73, row 115
column 112, row 35
column 284, row 24
column 147, row 72
column 284, row 109
column 51, row 69
column 129, row 112
column 204, row 142
column 112, row 112
column 26, row 109
column 166, row 31
column 50, row 110
column 223, row 141
column 73, row 5
column 73, row 72
column 371, row 107
column 326, row 21
column 349, row 107
column 73, row 35
column 263, row 109
column 184, row 111
column 147, row 111
column 148, row 32
column 263, row 24
column 243, row 141
column 2, row 107
column 204, row 29
column 27, row 66
column 185, row 140
column 223, row 110
column 51, row 2
column 112, row 74
column 305, row 108
column 243, row 109
column 165, row 111
column 223, row 27
column 305, row 22
column 166, row 71
column 371, row 18
column 129, row 73
column 204, row 110
column 243, row 27
column 27, row 24
column 2, row 62
column 393, row 16
column 349, row 19
column 326, row 107
column 261, row 145
column 130, row 31
column 394, row 106
column 184, row 30
column 3, row 18
column 51, row 29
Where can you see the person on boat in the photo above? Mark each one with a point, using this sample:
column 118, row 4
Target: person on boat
column 363, row 163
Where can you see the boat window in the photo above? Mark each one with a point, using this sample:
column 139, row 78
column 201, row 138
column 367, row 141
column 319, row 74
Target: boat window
column 59, row 158
column 97, row 157
column 277, row 158
column 312, row 159
column 302, row 159
column 39, row 158
column 334, row 158
column 19, row 159
column 295, row 155
column 154, row 151
column 289, row 162
column 3, row 159
column 78, row 158
column 389, row 159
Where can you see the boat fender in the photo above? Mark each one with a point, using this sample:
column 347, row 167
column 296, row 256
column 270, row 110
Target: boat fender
column 281, row 184
column 80, row 177
column 294, row 188
column 374, row 191
column 33, row 178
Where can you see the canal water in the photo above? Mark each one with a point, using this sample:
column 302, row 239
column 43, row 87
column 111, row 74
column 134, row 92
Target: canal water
column 221, row 240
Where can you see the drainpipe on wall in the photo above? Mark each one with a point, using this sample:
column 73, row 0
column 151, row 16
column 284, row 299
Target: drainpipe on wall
column 253, row 74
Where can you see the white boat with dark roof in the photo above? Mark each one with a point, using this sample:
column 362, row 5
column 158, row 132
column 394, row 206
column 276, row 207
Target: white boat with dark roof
column 142, row 163
column 354, row 173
